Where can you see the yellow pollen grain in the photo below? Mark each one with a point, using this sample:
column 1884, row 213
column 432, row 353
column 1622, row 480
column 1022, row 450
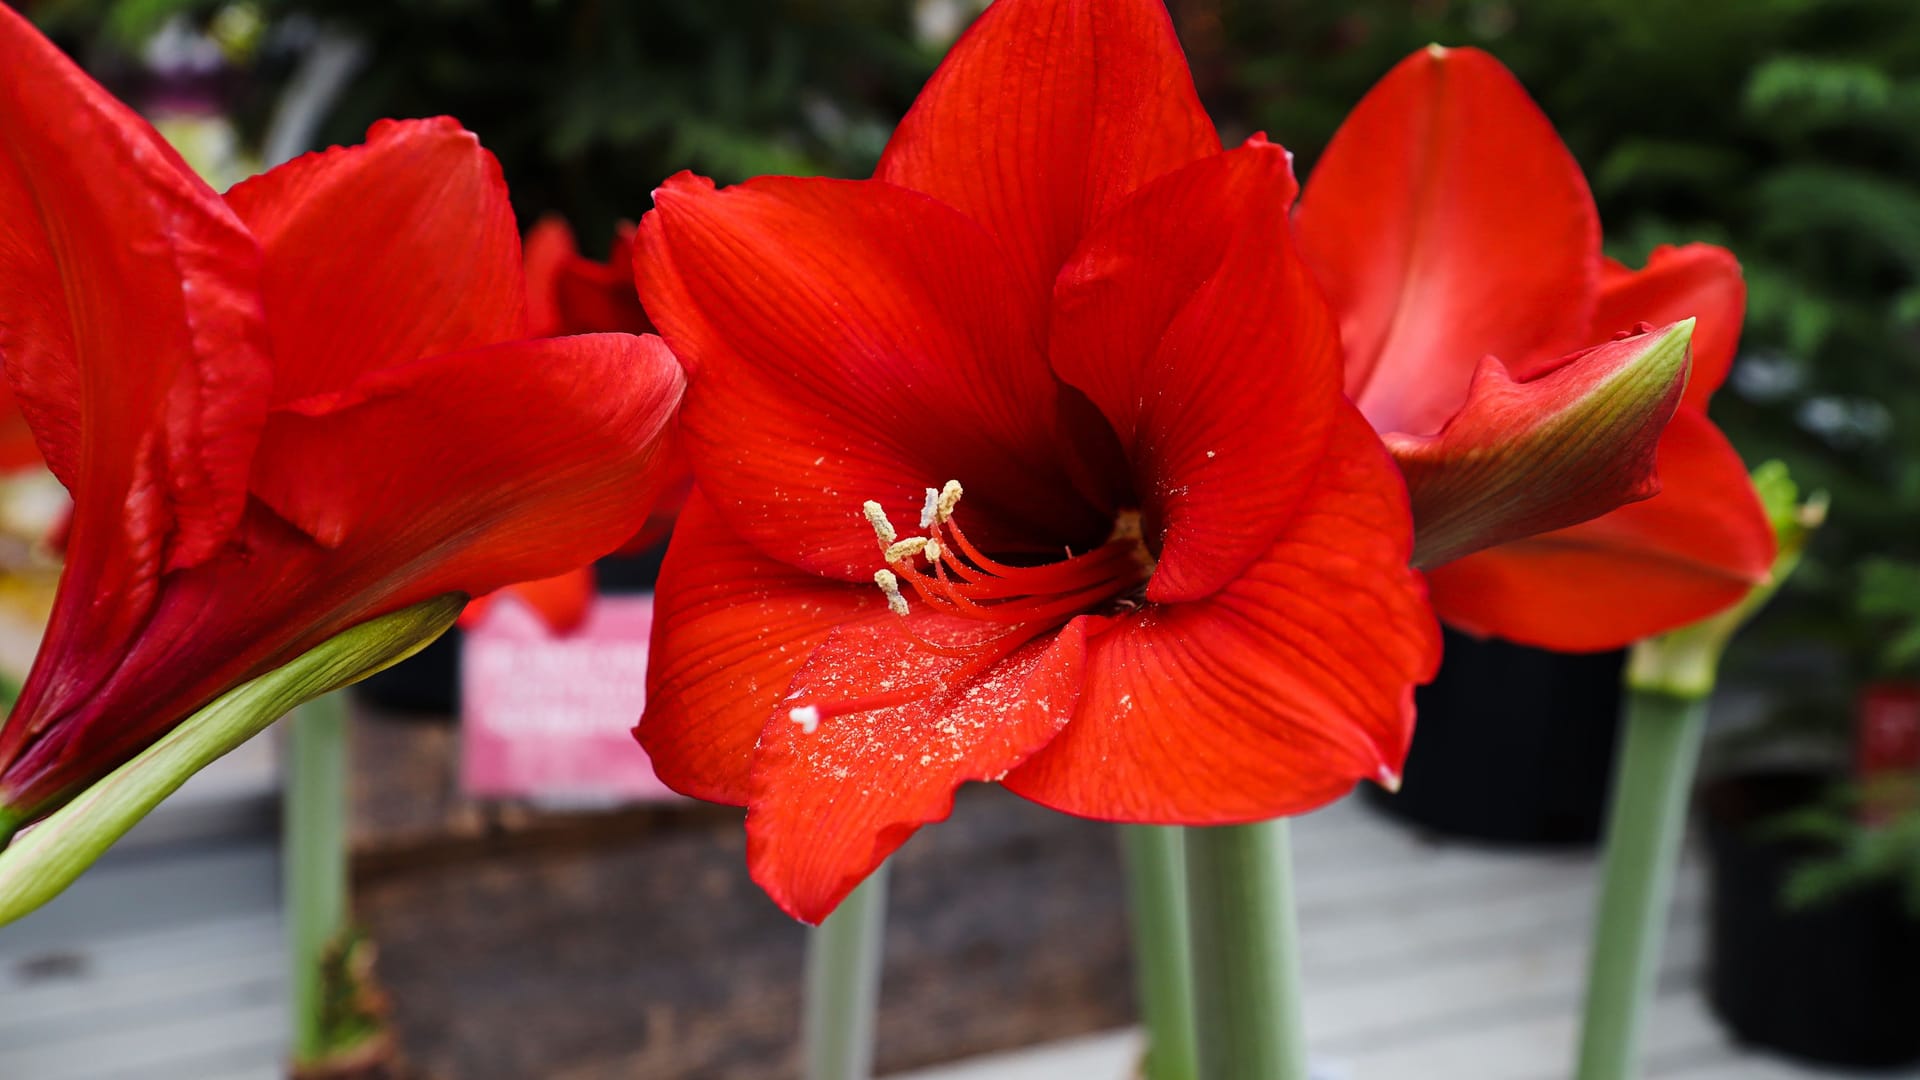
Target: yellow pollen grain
column 905, row 549
column 877, row 517
column 890, row 585
column 948, row 499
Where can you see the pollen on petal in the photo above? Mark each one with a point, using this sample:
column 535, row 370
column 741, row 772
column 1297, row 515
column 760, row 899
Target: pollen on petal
column 807, row 716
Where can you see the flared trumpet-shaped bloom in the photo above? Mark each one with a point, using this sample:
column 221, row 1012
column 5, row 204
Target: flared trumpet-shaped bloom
column 281, row 412
column 1457, row 240
column 1028, row 460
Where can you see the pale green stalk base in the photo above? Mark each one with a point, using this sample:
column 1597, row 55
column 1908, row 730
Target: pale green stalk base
column 1157, row 900
column 1659, row 750
column 37, row 866
column 1246, row 955
column 314, row 847
column 843, row 984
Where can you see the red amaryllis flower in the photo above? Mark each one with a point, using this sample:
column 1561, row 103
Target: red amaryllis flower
column 1456, row 237
column 280, row 413
column 1026, row 461
column 568, row 293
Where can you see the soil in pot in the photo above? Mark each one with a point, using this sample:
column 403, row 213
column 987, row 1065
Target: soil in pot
column 1836, row 983
column 1514, row 745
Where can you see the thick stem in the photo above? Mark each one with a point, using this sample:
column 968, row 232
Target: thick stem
column 1157, row 898
column 315, row 849
column 843, row 984
column 1246, row 956
column 1659, row 750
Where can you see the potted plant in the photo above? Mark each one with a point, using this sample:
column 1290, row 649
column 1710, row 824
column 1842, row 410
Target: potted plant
column 1515, row 745
column 1814, row 864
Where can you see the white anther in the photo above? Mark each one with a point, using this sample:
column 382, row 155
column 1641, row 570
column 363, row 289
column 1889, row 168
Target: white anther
column 949, row 498
column 932, row 551
column 890, row 585
column 807, row 716
column 929, row 509
column 905, row 549
column 877, row 517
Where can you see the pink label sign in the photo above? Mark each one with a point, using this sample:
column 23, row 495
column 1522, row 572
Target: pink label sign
column 549, row 717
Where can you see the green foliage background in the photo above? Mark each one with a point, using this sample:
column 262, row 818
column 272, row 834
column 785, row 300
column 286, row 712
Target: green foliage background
column 1788, row 130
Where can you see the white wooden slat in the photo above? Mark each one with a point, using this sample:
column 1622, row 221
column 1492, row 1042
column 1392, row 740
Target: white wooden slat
column 134, row 955
column 163, row 1049
column 104, row 1001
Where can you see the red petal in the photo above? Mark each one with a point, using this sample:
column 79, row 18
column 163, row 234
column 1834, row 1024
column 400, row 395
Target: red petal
column 833, row 799
column 383, row 253
column 1525, row 457
column 1187, row 318
column 1682, row 555
column 131, row 331
column 550, row 467
column 1273, row 695
column 575, row 425
column 17, row 446
column 1698, row 281
column 1447, row 223
column 548, row 248
column 730, row 628
column 568, row 293
column 850, row 341
column 1046, row 115
column 561, row 601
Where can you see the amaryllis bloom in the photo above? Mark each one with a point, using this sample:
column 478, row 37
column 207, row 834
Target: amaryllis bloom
column 1457, row 239
column 282, row 412
column 568, row 293
column 1028, row 461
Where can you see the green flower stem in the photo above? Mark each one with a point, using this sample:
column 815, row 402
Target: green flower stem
column 1157, row 899
column 45, row 860
column 1659, row 750
column 1670, row 677
column 314, row 845
column 843, row 984
column 1246, row 956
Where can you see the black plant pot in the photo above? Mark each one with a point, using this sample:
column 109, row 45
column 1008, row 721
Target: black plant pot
column 1836, row 983
column 427, row 684
column 1513, row 746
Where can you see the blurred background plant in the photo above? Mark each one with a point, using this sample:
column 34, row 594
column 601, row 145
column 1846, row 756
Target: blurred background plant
column 1788, row 130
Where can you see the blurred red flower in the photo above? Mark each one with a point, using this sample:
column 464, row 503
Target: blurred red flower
column 280, row 413
column 1450, row 226
column 568, row 293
